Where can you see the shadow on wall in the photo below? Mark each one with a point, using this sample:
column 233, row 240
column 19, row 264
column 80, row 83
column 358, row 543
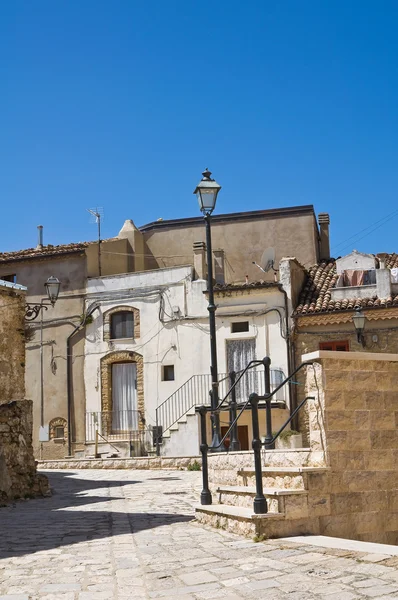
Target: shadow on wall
column 48, row 523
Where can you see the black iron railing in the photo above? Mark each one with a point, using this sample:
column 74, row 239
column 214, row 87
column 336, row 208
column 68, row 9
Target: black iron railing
column 195, row 392
column 252, row 403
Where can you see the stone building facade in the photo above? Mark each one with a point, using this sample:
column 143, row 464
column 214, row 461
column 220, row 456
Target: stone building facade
column 326, row 301
column 238, row 240
column 18, row 477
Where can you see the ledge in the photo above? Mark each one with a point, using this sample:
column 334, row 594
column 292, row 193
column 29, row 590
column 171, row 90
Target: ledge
column 374, row 356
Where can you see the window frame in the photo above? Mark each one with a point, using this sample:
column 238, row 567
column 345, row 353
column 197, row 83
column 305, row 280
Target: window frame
column 334, row 345
column 237, row 323
column 112, row 326
column 164, row 367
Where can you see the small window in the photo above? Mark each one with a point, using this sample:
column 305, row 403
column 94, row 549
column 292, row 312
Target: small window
column 10, row 278
column 335, row 346
column 239, row 326
column 122, row 325
column 168, row 373
column 59, row 432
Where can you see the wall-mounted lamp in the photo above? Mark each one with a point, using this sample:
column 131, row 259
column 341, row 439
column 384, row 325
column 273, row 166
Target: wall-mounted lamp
column 359, row 320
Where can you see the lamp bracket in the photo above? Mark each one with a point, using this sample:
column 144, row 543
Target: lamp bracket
column 32, row 311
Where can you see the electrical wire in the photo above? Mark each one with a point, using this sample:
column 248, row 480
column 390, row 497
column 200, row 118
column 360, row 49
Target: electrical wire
column 371, row 229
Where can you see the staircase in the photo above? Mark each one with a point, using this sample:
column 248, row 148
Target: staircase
column 176, row 415
column 296, row 484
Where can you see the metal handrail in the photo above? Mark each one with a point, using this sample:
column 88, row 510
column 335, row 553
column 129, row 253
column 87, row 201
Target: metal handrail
column 265, row 397
column 260, row 502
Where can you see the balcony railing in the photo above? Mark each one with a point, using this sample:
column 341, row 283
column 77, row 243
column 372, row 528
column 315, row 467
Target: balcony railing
column 114, row 425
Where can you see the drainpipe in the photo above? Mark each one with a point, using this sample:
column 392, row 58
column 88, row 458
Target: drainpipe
column 290, row 358
column 69, row 372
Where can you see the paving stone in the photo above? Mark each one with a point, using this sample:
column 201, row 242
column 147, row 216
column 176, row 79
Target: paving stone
column 114, row 535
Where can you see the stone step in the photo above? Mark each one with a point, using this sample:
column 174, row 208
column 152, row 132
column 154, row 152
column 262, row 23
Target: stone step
column 292, row 503
column 235, row 518
column 251, row 490
column 297, row 478
column 243, row 521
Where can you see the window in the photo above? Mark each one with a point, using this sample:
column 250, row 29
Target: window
column 59, row 432
column 335, row 346
column 168, row 373
column 122, row 325
column 239, row 326
column 10, row 278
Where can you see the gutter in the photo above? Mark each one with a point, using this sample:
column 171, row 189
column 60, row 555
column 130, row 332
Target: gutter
column 69, row 371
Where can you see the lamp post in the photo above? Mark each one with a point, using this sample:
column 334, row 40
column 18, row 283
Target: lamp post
column 52, row 286
column 359, row 320
column 206, row 192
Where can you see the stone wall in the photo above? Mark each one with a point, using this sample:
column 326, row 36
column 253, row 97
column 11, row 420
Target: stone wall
column 141, row 462
column 18, row 477
column 353, row 420
column 381, row 336
column 12, row 344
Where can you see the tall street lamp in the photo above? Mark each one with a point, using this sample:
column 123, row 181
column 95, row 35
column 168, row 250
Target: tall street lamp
column 206, row 192
column 52, row 286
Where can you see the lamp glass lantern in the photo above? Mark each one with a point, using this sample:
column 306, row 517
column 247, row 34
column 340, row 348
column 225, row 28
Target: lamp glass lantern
column 206, row 192
column 359, row 320
column 52, row 286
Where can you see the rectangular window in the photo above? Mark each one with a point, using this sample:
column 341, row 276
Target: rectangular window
column 10, row 278
column 168, row 373
column 59, row 432
column 341, row 346
column 122, row 325
column 239, row 326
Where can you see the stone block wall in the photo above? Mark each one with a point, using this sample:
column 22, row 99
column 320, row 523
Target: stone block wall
column 18, row 477
column 12, row 344
column 353, row 420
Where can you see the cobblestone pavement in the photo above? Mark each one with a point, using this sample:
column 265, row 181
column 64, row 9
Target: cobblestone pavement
column 130, row 534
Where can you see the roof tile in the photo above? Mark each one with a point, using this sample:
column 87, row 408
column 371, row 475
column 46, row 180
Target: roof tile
column 316, row 297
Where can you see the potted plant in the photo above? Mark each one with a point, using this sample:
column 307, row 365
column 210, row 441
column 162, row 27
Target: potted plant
column 289, row 439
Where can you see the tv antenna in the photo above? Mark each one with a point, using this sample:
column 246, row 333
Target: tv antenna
column 267, row 261
column 97, row 214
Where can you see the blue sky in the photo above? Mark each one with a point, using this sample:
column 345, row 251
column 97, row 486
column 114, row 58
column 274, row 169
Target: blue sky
column 122, row 104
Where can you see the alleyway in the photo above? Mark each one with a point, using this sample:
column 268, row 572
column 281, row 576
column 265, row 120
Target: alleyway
column 130, row 534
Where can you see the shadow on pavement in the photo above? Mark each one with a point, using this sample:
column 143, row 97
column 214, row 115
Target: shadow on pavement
column 48, row 523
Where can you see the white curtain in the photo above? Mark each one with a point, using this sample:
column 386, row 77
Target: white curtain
column 124, row 397
column 239, row 354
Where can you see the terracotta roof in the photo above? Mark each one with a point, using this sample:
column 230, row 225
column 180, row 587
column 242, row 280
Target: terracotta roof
column 316, row 298
column 49, row 250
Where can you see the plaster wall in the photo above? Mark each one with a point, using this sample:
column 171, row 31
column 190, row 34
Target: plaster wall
column 181, row 337
column 58, row 322
column 243, row 242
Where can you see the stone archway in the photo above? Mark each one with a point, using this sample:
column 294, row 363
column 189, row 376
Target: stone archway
column 106, row 381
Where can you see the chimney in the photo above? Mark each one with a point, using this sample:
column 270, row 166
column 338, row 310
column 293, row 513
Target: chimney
column 219, row 266
column 324, row 243
column 199, row 262
column 40, row 237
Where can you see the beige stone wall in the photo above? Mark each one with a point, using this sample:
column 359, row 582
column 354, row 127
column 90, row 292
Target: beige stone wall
column 18, row 477
column 12, row 344
column 308, row 338
column 353, row 420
